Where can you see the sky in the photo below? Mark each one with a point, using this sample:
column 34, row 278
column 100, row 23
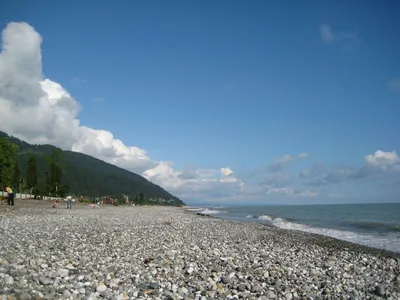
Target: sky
column 228, row 102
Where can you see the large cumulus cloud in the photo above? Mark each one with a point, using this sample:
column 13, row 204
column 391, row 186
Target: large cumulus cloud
column 39, row 110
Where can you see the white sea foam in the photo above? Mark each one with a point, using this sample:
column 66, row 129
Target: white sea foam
column 390, row 241
column 212, row 211
column 265, row 218
column 195, row 209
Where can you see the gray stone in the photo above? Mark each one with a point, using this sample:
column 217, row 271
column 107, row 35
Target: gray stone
column 101, row 288
column 379, row 291
column 288, row 296
column 256, row 288
column 44, row 281
column 225, row 279
column 24, row 296
column 9, row 280
column 67, row 293
column 63, row 273
column 154, row 285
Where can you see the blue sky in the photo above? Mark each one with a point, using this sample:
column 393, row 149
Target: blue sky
column 234, row 84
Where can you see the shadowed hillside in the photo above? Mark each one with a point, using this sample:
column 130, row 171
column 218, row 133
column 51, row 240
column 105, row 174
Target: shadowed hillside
column 89, row 176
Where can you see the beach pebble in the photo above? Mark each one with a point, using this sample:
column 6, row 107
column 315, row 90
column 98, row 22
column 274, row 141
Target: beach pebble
column 130, row 253
column 379, row 290
column 288, row 296
column 101, row 288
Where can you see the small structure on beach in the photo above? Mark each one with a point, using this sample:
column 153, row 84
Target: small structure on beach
column 109, row 201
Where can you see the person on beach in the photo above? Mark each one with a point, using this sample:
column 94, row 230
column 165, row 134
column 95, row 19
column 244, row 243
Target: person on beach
column 55, row 205
column 10, row 195
column 69, row 202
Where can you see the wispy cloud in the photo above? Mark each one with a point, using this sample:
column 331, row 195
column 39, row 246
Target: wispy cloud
column 77, row 79
column 285, row 160
column 99, row 99
column 327, row 34
column 377, row 166
column 394, row 84
column 349, row 40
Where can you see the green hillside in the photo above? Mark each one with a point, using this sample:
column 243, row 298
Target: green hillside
column 89, row 176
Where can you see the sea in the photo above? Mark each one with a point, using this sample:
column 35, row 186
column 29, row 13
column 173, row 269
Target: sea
column 374, row 225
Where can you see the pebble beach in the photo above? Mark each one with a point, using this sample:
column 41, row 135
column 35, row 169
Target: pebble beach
column 140, row 252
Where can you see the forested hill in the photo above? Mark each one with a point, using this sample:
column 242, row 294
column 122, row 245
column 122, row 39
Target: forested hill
column 89, row 176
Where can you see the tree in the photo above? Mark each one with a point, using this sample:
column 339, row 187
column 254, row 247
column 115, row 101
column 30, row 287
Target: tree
column 32, row 174
column 16, row 181
column 8, row 153
column 55, row 163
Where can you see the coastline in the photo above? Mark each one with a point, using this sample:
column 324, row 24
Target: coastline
column 170, row 253
column 319, row 239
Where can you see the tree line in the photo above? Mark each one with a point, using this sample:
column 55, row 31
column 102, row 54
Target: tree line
column 11, row 175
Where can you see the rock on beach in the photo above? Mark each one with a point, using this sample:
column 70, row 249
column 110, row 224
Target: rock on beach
column 169, row 253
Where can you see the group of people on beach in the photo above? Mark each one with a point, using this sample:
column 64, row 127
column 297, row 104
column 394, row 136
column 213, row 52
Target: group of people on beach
column 10, row 198
column 69, row 201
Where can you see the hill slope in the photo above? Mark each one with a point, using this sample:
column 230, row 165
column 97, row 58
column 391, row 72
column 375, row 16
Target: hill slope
column 90, row 176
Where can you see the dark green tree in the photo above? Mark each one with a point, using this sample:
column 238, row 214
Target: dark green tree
column 54, row 174
column 16, row 181
column 32, row 175
column 8, row 153
column 63, row 190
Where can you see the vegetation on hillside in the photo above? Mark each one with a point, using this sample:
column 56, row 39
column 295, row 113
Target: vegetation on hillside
column 47, row 170
column 8, row 165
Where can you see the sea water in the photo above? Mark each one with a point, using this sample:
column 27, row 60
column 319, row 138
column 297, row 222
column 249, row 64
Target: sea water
column 374, row 225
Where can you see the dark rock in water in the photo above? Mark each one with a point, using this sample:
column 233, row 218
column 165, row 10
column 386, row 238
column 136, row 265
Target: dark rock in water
column 379, row 291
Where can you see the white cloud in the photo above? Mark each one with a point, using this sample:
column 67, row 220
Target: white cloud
column 42, row 111
column 302, row 155
column 394, row 84
column 222, row 182
column 292, row 192
column 382, row 159
column 307, row 194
